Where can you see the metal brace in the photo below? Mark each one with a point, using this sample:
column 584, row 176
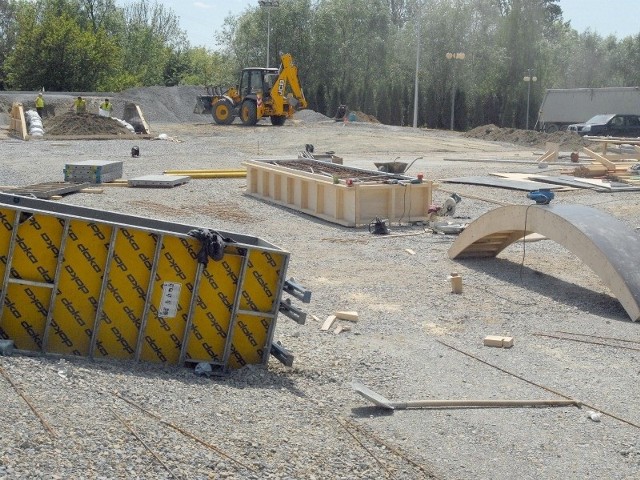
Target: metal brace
column 296, row 290
column 282, row 354
column 293, row 312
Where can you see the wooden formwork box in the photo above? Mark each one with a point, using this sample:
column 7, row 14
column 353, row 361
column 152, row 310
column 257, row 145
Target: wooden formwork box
column 351, row 206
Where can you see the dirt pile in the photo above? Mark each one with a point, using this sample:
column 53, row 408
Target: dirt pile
column 363, row 117
column 530, row 138
column 83, row 124
column 310, row 116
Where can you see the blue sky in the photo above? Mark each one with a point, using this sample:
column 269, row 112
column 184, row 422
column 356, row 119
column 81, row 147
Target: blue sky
column 202, row 18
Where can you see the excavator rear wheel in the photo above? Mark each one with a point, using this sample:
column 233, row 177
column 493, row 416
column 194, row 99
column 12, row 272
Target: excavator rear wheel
column 278, row 120
column 248, row 113
column 222, row 111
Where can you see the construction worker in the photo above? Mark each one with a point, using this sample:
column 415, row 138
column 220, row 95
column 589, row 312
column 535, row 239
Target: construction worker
column 105, row 108
column 40, row 104
column 80, row 104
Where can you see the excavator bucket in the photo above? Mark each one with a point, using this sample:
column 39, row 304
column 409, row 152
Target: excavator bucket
column 203, row 104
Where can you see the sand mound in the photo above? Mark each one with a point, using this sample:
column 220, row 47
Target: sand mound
column 310, row 116
column 529, row 138
column 82, row 124
column 363, row 117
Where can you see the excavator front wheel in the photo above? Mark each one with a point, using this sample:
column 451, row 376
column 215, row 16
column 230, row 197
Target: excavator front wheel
column 278, row 120
column 248, row 113
column 222, row 111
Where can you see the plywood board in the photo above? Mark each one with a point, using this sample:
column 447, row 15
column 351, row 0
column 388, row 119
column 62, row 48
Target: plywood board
column 489, row 181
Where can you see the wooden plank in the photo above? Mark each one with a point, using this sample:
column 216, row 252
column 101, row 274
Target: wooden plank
column 600, row 158
column 344, row 315
column 341, row 328
column 18, row 125
column 125, row 136
column 489, row 181
column 551, row 153
column 328, row 323
column 145, row 125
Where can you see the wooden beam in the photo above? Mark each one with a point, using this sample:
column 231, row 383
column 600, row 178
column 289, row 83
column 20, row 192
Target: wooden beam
column 600, row 158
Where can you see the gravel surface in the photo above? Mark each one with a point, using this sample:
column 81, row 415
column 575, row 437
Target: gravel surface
column 126, row 420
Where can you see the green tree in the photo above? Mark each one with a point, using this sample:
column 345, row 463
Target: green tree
column 8, row 35
column 52, row 51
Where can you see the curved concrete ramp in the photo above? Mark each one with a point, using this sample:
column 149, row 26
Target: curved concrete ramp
column 608, row 246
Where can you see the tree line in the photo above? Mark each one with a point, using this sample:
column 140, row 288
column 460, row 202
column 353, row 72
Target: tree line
column 366, row 54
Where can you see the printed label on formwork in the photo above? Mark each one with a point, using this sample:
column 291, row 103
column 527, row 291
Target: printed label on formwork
column 169, row 303
column 178, row 263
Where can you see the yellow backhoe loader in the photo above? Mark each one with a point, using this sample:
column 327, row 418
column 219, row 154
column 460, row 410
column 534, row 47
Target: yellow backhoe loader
column 262, row 92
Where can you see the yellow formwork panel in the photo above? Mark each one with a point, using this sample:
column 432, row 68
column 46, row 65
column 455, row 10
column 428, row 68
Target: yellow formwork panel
column 25, row 314
column 249, row 338
column 129, row 274
column 102, row 284
column 213, row 309
column 260, row 286
column 79, row 285
column 37, row 247
column 164, row 332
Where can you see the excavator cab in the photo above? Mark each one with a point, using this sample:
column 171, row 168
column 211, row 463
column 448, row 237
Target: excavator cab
column 257, row 80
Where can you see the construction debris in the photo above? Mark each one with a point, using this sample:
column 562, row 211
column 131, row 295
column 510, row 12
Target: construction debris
column 498, row 341
column 456, row 282
column 328, row 323
column 350, row 316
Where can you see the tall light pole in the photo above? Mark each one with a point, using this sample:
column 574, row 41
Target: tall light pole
column 268, row 4
column 529, row 78
column 415, row 87
column 454, row 56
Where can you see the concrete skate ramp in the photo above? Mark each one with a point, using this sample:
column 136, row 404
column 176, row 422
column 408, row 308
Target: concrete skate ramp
column 608, row 246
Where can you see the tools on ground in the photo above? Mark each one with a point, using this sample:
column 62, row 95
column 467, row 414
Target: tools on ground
column 395, row 166
column 381, row 401
column 379, row 227
column 541, row 197
column 448, row 208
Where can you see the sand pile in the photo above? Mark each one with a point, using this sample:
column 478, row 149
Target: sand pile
column 83, row 124
column 529, row 138
column 310, row 116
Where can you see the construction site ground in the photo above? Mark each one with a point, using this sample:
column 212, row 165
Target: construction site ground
column 306, row 421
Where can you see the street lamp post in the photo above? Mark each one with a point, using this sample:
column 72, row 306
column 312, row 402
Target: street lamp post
column 454, row 56
column 268, row 4
column 415, row 87
column 529, row 78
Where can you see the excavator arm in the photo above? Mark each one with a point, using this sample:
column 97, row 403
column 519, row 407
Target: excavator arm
column 286, row 92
